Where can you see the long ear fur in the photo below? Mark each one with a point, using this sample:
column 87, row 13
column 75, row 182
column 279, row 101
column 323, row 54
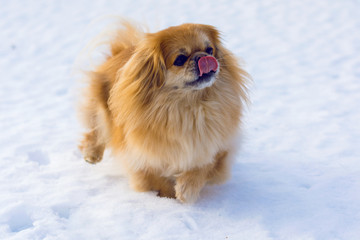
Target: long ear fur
column 150, row 67
column 231, row 69
column 139, row 79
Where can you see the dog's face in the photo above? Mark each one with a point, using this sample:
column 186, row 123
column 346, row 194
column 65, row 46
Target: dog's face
column 190, row 54
column 185, row 57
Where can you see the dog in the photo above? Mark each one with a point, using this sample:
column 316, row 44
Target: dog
column 170, row 103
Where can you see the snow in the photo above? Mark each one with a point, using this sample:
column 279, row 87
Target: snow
column 296, row 176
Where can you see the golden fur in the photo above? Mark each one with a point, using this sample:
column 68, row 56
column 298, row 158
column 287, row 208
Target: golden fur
column 173, row 137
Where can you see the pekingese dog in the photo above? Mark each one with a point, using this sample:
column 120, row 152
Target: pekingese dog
column 169, row 103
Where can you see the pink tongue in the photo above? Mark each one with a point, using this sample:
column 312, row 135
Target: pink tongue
column 207, row 64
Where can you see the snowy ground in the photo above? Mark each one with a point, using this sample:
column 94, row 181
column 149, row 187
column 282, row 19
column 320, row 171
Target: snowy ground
column 298, row 172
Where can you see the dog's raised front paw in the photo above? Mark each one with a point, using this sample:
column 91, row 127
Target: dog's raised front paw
column 92, row 159
column 92, row 154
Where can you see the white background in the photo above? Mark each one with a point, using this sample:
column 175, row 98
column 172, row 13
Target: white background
column 297, row 175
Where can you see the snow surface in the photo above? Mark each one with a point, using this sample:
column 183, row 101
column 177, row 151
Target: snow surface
column 297, row 175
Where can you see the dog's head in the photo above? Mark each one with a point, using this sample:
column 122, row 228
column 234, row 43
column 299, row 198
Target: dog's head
column 191, row 55
column 182, row 57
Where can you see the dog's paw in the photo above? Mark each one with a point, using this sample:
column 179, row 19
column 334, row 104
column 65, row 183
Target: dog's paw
column 92, row 154
column 91, row 149
column 167, row 192
column 187, row 192
column 92, row 159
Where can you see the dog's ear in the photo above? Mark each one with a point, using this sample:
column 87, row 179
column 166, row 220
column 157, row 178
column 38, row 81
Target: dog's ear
column 138, row 80
column 144, row 73
column 148, row 65
column 212, row 33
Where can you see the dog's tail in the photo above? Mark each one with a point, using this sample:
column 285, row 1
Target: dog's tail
column 118, row 35
column 126, row 36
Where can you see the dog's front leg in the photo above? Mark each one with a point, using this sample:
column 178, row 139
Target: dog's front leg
column 189, row 184
column 91, row 149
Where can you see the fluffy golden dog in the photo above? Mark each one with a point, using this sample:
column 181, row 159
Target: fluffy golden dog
column 169, row 103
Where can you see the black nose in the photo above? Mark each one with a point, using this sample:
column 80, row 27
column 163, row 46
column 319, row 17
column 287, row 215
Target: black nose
column 198, row 56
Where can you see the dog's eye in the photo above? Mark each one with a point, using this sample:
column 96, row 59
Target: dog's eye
column 209, row 50
column 180, row 60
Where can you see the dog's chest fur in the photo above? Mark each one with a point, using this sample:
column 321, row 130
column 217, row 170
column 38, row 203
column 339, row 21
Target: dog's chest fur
column 180, row 136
